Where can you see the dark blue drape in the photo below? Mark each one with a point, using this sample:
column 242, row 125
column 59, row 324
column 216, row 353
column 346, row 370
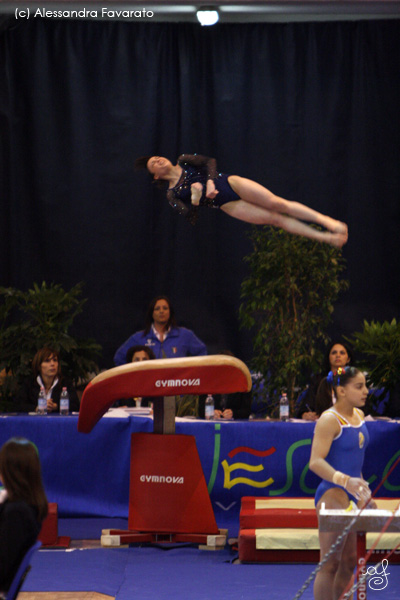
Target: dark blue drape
column 311, row 110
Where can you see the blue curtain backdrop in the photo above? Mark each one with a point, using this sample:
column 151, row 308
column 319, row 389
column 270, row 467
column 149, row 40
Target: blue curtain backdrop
column 311, row 110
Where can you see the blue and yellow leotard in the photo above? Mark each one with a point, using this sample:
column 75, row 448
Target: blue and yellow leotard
column 347, row 451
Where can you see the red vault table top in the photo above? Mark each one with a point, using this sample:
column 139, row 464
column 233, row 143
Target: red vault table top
column 217, row 374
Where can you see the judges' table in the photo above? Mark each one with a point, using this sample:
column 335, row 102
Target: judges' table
column 88, row 475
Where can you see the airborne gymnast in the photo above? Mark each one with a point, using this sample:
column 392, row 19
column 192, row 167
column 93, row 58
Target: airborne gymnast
column 194, row 181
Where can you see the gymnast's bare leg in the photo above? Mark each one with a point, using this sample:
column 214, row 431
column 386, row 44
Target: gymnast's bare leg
column 261, row 207
column 337, row 573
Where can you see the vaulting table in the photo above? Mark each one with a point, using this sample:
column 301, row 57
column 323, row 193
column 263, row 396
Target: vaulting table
column 168, row 497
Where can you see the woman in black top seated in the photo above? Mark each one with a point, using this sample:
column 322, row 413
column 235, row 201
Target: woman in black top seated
column 338, row 354
column 228, row 406
column 137, row 353
column 47, row 374
column 23, row 505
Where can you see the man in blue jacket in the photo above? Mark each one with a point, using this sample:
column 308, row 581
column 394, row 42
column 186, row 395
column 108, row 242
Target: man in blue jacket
column 162, row 335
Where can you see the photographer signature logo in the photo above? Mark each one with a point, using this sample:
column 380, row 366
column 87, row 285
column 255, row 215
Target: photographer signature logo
column 378, row 579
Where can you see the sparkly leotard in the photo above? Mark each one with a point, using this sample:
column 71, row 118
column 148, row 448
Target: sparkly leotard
column 197, row 168
column 347, row 451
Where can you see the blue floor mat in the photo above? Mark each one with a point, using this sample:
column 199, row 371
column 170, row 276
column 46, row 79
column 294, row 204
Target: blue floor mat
column 100, row 570
column 145, row 573
column 89, row 529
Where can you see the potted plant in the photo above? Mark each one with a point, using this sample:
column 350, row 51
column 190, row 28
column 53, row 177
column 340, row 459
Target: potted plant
column 288, row 301
column 41, row 316
column 379, row 348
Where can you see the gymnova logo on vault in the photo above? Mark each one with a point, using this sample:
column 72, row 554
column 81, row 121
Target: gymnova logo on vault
column 162, row 383
column 162, row 479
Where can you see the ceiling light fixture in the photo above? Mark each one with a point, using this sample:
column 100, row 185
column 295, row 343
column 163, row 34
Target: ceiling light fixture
column 207, row 16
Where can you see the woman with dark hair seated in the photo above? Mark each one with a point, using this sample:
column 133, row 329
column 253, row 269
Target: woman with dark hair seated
column 338, row 354
column 46, row 374
column 23, row 505
column 135, row 354
column 139, row 353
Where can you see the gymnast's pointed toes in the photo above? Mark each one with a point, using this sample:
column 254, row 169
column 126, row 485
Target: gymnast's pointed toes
column 341, row 228
column 338, row 240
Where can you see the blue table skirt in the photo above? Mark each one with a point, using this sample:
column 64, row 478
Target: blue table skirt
column 88, row 474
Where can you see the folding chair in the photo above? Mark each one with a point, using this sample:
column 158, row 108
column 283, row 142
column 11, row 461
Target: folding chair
column 22, row 572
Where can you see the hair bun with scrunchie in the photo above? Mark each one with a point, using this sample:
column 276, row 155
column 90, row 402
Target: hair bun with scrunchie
column 334, row 377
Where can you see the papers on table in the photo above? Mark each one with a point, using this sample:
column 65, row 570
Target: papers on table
column 124, row 413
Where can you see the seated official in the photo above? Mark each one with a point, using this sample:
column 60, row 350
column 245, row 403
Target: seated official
column 162, row 335
column 228, row 406
column 338, row 354
column 392, row 407
column 23, row 505
column 47, row 374
column 137, row 354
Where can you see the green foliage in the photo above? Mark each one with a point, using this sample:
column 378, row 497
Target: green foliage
column 288, row 301
column 187, row 405
column 379, row 344
column 42, row 316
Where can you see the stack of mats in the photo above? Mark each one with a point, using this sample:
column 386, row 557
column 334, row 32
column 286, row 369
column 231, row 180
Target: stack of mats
column 49, row 532
column 286, row 530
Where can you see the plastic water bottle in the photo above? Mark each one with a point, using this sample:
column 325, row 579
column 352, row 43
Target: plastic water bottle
column 209, row 408
column 284, row 407
column 64, row 402
column 42, row 402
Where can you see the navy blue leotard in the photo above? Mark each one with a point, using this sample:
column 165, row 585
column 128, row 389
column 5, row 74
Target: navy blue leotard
column 197, row 168
column 347, row 451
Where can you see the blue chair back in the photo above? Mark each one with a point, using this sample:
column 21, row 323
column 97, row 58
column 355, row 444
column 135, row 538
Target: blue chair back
column 22, row 572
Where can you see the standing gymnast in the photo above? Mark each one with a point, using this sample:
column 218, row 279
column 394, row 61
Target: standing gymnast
column 337, row 456
column 194, row 182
